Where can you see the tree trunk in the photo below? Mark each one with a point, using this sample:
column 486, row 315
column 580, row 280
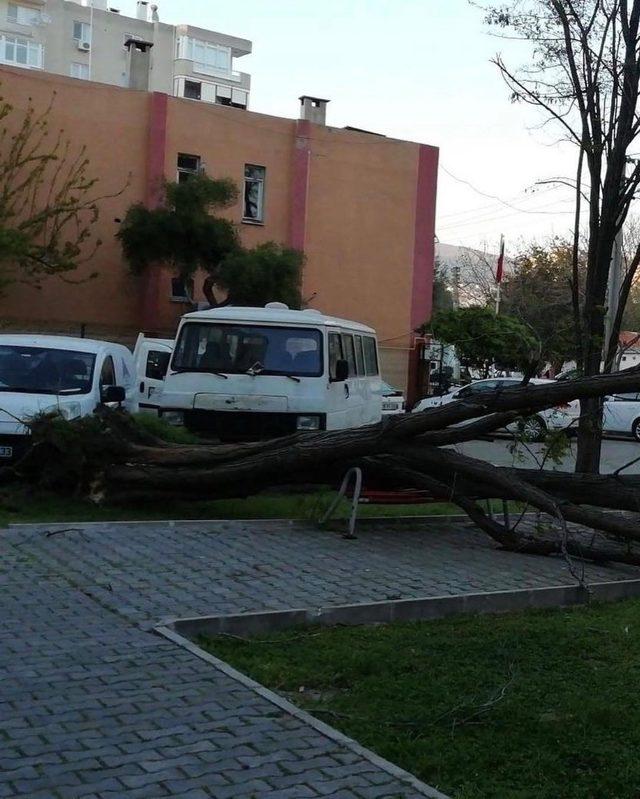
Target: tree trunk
column 116, row 463
column 589, row 448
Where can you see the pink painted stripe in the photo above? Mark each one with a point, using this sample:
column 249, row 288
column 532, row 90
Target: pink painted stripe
column 157, row 145
column 156, row 150
column 424, row 237
column 300, row 185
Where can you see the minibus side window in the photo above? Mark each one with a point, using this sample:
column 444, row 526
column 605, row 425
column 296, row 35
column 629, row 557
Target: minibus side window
column 359, row 355
column 335, row 353
column 370, row 355
column 349, row 354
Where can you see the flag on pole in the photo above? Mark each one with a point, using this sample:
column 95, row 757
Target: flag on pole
column 500, row 266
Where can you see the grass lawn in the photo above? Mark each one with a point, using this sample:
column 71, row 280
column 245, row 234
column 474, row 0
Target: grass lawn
column 536, row 705
column 19, row 506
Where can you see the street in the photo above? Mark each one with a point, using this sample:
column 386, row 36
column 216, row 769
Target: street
column 615, row 453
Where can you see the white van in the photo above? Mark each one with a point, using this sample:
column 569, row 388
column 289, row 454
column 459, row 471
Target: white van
column 58, row 373
column 248, row 373
column 151, row 356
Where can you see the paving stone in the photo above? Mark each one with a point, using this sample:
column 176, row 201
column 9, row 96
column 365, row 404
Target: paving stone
column 94, row 705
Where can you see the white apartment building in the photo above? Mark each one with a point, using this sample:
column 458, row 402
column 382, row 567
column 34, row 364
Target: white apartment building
column 92, row 40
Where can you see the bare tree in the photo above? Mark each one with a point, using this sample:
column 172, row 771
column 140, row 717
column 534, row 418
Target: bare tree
column 584, row 75
column 470, row 274
column 47, row 203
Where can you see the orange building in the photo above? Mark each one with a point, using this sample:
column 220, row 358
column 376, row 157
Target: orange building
column 360, row 205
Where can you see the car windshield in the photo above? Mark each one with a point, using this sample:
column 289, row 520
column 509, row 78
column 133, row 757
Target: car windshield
column 40, row 370
column 249, row 349
column 387, row 390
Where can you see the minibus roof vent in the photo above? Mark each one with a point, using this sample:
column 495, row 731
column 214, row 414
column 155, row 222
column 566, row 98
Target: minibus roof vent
column 277, row 306
column 314, row 311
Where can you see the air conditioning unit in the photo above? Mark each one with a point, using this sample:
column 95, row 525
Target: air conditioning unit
column 84, row 46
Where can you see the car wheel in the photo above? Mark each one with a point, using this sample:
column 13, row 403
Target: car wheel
column 635, row 429
column 533, row 428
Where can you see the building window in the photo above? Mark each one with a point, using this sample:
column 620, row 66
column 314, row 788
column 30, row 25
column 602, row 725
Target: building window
column 23, row 15
column 21, row 52
column 223, row 95
column 82, row 32
column 192, row 90
column 254, row 193
column 188, row 166
column 206, row 57
column 239, row 98
column 181, row 289
column 80, row 71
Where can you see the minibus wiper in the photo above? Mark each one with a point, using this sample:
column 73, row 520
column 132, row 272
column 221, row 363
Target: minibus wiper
column 199, row 372
column 258, row 369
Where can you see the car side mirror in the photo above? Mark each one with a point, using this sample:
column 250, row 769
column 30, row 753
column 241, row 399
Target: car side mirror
column 112, row 394
column 342, row 371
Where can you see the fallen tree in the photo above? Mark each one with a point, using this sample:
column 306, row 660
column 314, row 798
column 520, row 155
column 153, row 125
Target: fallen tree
column 109, row 459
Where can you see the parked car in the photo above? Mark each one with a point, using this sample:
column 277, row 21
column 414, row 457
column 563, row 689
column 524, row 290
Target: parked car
column 533, row 427
column 393, row 401
column 71, row 376
column 251, row 373
column 622, row 415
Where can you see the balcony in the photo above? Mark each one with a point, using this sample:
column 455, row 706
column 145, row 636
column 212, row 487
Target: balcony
column 188, row 68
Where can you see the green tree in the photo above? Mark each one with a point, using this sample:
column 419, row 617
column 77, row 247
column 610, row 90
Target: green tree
column 268, row 272
column 47, row 204
column 185, row 233
column 538, row 292
column 182, row 232
column 483, row 339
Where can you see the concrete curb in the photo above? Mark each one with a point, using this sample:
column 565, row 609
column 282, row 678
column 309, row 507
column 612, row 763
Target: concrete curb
column 324, row 729
column 364, row 520
column 386, row 612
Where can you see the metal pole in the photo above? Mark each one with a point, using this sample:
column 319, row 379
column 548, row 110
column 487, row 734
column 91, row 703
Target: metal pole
column 91, row 42
column 501, row 275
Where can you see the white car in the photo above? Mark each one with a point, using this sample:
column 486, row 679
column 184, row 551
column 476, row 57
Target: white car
column 392, row 400
column 72, row 376
column 533, row 427
column 622, row 414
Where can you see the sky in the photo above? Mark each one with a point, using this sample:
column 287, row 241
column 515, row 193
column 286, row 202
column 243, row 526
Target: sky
column 411, row 69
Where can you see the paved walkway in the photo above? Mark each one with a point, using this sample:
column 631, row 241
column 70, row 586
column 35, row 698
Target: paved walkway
column 94, row 704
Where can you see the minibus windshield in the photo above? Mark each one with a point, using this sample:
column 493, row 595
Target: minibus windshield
column 248, row 349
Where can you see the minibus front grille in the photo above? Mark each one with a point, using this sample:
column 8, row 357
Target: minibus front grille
column 240, row 425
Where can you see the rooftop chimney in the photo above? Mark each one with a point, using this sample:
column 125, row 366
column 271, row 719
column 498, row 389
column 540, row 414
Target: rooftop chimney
column 147, row 12
column 313, row 109
column 138, row 64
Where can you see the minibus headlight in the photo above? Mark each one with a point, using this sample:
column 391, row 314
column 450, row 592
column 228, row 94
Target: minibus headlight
column 308, row 423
